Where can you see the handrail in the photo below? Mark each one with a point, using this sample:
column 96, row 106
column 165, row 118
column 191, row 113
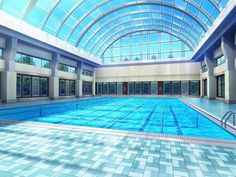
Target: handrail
column 227, row 117
column 227, row 114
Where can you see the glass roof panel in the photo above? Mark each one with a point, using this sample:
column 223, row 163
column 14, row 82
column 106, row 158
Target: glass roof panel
column 88, row 23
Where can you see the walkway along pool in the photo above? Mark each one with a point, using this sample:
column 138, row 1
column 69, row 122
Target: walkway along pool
column 151, row 115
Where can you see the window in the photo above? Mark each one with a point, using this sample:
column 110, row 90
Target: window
column 105, row 87
column 153, row 88
column 167, row 88
column 99, row 88
column 185, row 88
column 148, row 45
column 1, row 53
column 205, row 87
column 176, row 88
column 220, row 86
column 146, row 88
column 119, row 88
column 87, row 73
column 112, row 88
column 26, row 86
column 35, row 86
column 138, row 88
column 66, row 87
column 194, row 87
column 30, row 60
column 87, row 88
column 130, row 88
column 66, row 68
column 220, row 60
column 31, row 86
column 44, row 86
column 18, row 86
column 204, row 68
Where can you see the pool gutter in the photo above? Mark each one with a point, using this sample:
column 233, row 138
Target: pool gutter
column 144, row 135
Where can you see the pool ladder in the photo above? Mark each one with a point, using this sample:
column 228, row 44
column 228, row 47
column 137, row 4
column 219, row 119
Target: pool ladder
column 227, row 117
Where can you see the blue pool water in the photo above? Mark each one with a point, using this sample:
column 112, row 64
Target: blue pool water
column 154, row 115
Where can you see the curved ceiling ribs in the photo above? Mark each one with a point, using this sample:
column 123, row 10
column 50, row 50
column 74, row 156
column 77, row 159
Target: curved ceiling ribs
column 147, row 28
column 107, row 30
column 183, row 20
column 142, row 3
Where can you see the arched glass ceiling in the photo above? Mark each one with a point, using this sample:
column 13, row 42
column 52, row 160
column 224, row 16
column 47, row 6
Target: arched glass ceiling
column 143, row 46
column 93, row 25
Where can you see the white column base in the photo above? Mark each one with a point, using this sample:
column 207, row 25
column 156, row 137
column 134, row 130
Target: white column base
column 8, row 86
column 54, row 87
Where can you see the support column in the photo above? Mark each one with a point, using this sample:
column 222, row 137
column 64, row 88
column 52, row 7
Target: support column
column 79, row 82
column 54, row 79
column 229, row 51
column 211, row 80
column 94, row 82
column 8, row 78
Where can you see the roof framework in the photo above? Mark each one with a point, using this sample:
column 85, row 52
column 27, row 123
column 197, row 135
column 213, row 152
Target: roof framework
column 93, row 25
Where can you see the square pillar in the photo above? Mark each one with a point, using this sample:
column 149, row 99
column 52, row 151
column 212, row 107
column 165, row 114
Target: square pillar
column 54, row 79
column 229, row 51
column 211, row 80
column 8, row 78
column 94, row 84
column 79, row 82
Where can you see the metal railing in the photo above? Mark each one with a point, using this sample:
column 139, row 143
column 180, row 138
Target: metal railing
column 226, row 118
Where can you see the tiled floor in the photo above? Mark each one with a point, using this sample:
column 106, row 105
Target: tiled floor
column 39, row 151
column 215, row 107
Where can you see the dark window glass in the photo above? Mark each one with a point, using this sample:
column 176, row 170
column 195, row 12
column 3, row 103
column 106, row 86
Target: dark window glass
column 62, row 87
column 194, row 88
column 185, row 87
column 146, row 87
column 220, row 86
column 67, row 87
column 31, row 86
column 205, row 87
column 105, row 88
column 166, row 88
column 30, row 60
column 138, row 88
column 26, row 86
column 18, row 86
column 87, row 88
column 72, row 87
column 153, row 88
column 176, row 88
column 35, row 86
column 45, row 64
column 120, row 88
column 220, row 60
column 112, row 88
column 44, row 87
column 99, row 88
column 1, row 53
column 87, row 73
column 66, row 68
column 131, row 88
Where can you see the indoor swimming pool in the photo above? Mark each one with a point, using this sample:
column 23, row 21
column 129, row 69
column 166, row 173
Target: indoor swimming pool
column 151, row 115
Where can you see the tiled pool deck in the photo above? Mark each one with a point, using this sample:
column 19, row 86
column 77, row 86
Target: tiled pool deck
column 214, row 107
column 39, row 150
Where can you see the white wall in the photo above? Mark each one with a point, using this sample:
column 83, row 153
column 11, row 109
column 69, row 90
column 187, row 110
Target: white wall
column 34, row 51
column 157, row 72
column 32, row 70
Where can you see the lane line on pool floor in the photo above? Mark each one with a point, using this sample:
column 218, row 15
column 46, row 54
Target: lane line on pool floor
column 167, row 137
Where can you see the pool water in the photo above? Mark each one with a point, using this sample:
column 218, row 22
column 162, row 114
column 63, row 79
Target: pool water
column 153, row 115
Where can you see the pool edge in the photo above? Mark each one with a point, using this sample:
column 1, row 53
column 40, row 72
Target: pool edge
column 144, row 135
